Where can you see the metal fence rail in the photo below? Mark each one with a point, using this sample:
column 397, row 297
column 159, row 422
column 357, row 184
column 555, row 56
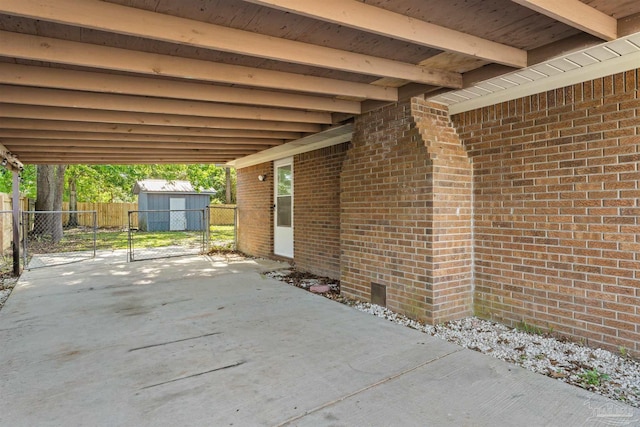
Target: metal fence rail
column 47, row 240
column 167, row 233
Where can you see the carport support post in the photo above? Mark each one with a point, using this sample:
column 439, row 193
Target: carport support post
column 15, row 203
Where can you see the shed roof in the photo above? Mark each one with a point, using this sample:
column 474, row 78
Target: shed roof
column 165, row 186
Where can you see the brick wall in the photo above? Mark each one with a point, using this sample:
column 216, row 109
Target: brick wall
column 317, row 210
column 451, row 227
column 405, row 220
column 255, row 216
column 557, row 235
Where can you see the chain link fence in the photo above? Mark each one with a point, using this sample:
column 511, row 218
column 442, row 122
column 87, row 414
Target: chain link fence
column 223, row 222
column 167, row 233
column 52, row 238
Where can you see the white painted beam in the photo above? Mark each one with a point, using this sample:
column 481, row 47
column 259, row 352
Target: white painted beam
column 328, row 138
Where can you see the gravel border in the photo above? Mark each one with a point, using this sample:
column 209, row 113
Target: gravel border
column 616, row 376
column 7, row 283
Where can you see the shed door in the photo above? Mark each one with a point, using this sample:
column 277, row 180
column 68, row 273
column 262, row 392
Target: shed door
column 283, row 196
column 178, row 215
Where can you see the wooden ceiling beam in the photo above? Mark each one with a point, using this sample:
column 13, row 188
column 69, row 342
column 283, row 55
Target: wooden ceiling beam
column 40, row 144
column 36, row 48
column 149, row 119
column 629, row 25
column 119, row 19
column 362, row 16
column 135, row 158
column 115, row 128
column 97, row 136
column 561, row 47
column 27, row 147
column 57, row 78
column 576, row 14
column 107, row 148
column 99, row 101
column 122, row 160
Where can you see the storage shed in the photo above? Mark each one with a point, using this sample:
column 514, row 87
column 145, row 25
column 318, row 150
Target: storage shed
column 171, row 205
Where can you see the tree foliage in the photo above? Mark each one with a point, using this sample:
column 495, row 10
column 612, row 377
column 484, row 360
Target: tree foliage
column 114, row 183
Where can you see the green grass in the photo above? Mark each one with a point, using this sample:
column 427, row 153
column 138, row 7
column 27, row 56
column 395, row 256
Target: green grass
column 143, row 239
column 79, row 239
column 593, row 377
column 530, row 329
column 222, row 233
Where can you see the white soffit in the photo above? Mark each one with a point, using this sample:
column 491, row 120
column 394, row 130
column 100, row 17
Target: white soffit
column 595, row 62
column 327, row 138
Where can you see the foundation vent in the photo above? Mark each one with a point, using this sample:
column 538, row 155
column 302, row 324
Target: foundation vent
column 378, row 294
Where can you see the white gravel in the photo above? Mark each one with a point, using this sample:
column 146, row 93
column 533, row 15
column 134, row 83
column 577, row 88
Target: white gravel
column 6, row 286
column 616, row 376
column 613, row 375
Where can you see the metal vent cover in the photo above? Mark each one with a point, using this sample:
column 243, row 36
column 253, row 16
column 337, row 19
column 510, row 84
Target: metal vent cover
column 378, row 294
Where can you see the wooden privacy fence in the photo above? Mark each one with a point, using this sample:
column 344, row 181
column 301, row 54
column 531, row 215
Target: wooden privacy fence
column 109, row 214
column 116, row 214
column 6, row 219
column 222, row 214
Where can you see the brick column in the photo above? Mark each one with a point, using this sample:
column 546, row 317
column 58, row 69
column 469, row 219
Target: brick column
column 406, row 212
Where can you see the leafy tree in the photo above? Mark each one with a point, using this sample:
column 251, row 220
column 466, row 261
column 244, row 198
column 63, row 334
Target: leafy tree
column 27, row 181
column 114, row 183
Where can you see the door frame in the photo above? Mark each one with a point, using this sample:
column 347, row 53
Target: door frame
column 282, row 236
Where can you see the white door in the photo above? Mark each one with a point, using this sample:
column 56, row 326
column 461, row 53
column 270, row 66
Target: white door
column 177, row 214
column 283, row 197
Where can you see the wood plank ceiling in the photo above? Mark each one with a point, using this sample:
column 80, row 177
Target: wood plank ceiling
column 209, row 81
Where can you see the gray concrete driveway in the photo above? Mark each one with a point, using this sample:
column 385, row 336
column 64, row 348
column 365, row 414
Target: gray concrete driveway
column 198, row 342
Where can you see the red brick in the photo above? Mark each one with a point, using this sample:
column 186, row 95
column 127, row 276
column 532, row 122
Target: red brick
column 594, row 199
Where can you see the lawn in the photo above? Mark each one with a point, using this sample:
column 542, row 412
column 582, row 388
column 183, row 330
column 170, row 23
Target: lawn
column 80, row 239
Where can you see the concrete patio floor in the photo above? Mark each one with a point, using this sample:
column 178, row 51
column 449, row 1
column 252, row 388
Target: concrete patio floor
column 196, row 341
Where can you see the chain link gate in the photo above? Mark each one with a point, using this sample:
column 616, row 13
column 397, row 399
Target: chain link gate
column 167, row 233
column 223, row 222
column 49, row 239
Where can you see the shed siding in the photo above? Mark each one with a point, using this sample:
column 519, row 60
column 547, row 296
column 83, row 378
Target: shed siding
column 160, row 221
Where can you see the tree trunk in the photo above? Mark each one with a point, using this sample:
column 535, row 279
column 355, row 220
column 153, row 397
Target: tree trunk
column 73, row 203
column 50, row 189
column 44, row 199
